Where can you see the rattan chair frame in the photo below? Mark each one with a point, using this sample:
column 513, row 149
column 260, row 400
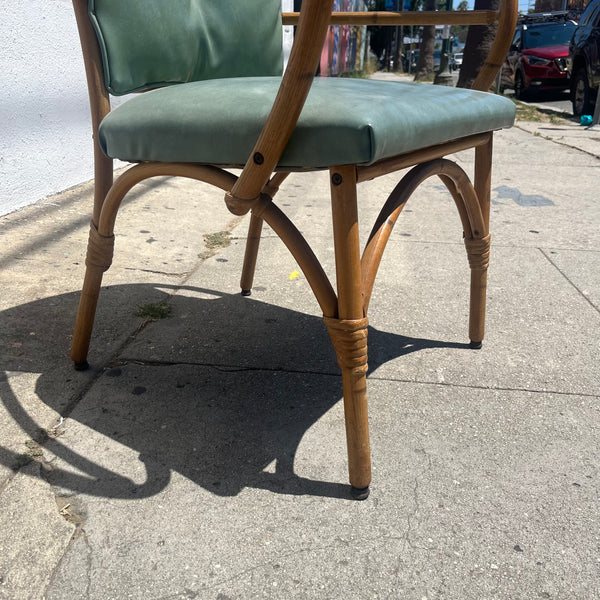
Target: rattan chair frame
column 344, row 311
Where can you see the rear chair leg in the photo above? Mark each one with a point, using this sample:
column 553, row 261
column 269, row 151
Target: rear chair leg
column 254, row 232
column 252, row 244
column 349, row 330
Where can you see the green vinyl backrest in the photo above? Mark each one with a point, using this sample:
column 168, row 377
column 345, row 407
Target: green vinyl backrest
column 151, row 43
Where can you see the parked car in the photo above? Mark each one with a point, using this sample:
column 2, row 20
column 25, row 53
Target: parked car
column 584, row 60
column 537, row 59
column 456, row 61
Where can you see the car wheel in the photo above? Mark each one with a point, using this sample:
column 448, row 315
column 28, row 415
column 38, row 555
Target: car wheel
column 520, row 89
column 582, row 104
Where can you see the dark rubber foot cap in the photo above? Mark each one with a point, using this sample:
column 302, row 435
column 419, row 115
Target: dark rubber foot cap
column 475, row 345
column 246, row 292
column 81, row 366
column 360, row 493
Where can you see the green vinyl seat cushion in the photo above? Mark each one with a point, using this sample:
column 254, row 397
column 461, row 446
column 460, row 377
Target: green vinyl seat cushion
column 344, row 121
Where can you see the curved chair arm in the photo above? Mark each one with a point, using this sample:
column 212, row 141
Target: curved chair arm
column 312, row 22
column 295, row 85
column 507, row 21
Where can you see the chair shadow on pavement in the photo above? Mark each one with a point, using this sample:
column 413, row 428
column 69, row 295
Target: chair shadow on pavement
column 230, row 416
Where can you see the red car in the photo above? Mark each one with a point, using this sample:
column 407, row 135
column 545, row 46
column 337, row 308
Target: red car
column 537, row 59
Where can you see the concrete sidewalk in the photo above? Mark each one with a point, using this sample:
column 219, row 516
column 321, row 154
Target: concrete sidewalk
column 203, row 454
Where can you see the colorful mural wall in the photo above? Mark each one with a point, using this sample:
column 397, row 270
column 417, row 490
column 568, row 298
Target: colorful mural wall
column 344, row 48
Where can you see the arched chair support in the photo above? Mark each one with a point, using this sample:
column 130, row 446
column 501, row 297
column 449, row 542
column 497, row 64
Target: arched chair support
column 138, row 173
column 305, row 257
column 101, row 241
column 263, row 209
column 475, row 232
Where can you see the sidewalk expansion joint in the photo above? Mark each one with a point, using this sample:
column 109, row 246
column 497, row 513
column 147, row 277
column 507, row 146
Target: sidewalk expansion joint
column 484, row 387
column 580, row 292
column 242, row 369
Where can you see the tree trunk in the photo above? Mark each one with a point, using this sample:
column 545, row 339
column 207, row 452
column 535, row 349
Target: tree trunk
column 478, row 44
column 424, row 68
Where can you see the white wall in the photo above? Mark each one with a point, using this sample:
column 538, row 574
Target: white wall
column 45, row 131
column 44, row 123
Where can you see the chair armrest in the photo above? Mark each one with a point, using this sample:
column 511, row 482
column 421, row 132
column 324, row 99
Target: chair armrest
column 295, row 85
column 313, row 21
column 507, row 21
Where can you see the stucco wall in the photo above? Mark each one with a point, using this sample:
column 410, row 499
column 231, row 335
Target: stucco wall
column 45, row 130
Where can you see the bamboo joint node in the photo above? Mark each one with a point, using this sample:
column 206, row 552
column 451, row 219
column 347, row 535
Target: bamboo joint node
column 100, row 249
column 478, row 251
column 349, row 337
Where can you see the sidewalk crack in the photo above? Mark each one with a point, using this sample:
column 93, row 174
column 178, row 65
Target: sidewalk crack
column 165, row 273
column 555, row 141
column 412, row 515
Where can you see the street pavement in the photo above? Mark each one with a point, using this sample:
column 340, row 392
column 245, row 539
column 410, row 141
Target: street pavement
column 203, row 454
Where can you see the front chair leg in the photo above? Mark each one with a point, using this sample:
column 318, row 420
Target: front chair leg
column 349, row 330
column 478, row 251
column 349, row 339
column 98, row 259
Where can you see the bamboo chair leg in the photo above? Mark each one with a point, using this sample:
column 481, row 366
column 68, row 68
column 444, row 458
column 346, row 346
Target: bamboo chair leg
column 349, row 330
column 98, row 260
column 479, row 250
column 254, row 232
column 252, row 244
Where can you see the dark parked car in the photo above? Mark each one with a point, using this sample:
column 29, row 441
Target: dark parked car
column 537, row 59
column 584, row 60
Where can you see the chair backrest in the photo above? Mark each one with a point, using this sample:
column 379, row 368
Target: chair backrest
column 151, row 43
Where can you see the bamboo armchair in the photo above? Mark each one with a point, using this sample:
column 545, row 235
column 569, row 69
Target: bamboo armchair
column 285, row 124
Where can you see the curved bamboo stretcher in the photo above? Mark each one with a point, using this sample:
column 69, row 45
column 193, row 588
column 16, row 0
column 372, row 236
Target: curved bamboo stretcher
column 345, row 312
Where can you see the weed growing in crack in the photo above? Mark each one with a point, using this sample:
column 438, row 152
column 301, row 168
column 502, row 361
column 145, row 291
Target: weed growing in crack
column 154, row 312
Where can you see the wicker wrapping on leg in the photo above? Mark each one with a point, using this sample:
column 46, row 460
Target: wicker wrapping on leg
column 349, row 337
column 100, row 249
column 98, row 260
column 478, row 251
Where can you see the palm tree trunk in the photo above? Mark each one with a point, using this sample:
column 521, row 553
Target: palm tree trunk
column 424, row 68
column 478, row 44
